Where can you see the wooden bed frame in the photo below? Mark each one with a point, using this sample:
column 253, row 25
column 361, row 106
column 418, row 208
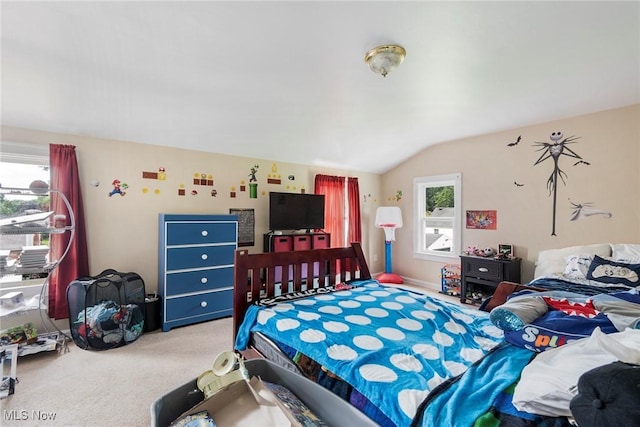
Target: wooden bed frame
column 255, row 274
column 255, row 278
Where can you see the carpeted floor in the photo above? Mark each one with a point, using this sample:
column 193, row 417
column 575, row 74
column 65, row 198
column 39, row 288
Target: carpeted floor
column 113, row 387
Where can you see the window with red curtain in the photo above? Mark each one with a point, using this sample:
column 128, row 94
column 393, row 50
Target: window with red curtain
column 333, row 189
column 337, row 208
column 65, row 179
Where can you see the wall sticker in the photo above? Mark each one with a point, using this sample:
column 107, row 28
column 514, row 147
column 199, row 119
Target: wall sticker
column 585, row 210
column 274, row 177
column 161, row 175
column 203, row 179
column 559, row 146
column 118, row 188
column 253, row 182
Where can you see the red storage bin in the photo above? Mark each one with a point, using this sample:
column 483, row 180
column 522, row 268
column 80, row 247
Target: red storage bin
column 301, row 243
column 321, row 241
column 282, row 243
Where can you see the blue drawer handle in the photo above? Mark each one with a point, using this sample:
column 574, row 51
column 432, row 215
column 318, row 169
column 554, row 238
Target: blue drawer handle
column 204, row 233
column 203, row 280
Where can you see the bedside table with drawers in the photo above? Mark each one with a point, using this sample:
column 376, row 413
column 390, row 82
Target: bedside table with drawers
column 482, row 275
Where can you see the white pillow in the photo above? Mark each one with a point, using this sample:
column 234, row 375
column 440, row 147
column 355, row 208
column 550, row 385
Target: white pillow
column 551, row 262
column 622, row 251
column 577, row 266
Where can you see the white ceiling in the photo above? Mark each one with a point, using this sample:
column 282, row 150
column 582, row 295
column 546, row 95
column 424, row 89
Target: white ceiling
column 287, row 80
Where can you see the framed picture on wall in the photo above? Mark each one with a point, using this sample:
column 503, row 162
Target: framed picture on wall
column 482, row 219
column 246, row 226
column 505, row 250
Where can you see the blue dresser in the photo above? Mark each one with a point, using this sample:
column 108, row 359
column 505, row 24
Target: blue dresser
column 195, row 267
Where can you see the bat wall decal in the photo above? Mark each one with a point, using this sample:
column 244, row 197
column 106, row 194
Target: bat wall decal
column 513, row 144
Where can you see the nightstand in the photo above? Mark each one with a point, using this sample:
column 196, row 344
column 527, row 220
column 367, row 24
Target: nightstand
column 482, row 275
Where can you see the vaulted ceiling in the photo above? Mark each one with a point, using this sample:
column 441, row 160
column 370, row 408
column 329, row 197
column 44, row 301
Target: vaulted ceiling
column 287, row 80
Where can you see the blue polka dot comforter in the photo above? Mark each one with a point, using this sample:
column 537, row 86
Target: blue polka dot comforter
column 392, row 345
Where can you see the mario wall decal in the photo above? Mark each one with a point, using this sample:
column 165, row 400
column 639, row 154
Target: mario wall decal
column 253, row 182
column 118, row 188
column 203, row 179
column 161, row 175
column 274, row 177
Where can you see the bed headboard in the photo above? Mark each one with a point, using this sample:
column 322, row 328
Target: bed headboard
column 255, row 274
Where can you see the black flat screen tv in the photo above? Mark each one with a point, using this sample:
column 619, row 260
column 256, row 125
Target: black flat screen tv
column 296, row 211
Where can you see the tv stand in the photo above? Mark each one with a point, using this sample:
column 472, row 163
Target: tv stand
column 295, row 240
column 281, row 241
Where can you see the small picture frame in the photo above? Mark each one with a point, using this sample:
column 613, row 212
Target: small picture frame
column 505, row 250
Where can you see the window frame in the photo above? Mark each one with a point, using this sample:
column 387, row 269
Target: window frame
column 27, row 154
column 420, row 184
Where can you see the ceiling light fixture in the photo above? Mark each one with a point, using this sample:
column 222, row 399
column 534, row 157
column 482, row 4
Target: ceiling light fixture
column 384, row 59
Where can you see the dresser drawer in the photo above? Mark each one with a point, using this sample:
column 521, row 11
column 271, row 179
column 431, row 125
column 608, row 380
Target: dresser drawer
column 484, row 269
column 199, row 257
column 198, row 281
column 195, row 232
column 198, row 305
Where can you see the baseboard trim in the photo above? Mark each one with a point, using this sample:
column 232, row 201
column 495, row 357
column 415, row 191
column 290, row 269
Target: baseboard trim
column 428, row 286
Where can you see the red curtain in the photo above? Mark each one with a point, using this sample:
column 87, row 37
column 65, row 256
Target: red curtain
column 333, row 189
column 66, row 180
column 355, row 227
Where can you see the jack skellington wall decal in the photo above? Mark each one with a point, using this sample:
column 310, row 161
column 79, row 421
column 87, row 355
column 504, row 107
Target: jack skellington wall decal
column 559, row 146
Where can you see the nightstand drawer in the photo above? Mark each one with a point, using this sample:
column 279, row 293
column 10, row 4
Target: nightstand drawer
column 199, row 305
column 486, row 269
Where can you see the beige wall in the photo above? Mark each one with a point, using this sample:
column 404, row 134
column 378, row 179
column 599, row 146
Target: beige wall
column 122, row 231
column 609, row 141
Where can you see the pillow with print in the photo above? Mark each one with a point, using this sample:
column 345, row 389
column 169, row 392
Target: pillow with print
column 607, row 271
column 577, row 266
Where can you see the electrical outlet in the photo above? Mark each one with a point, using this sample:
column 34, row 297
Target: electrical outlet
column 375, row 257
